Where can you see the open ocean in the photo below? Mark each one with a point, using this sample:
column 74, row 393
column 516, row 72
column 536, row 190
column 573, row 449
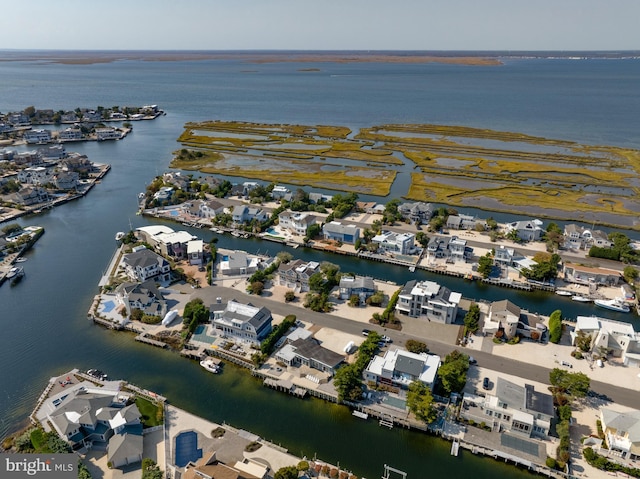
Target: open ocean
column 45, row 331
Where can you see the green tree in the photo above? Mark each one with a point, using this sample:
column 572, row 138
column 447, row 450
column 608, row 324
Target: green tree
column 354, row 300
column 630, row 273
column 376, row 299
column 288, row 472
column 420, row 402
column 472, row 318
column 83, row 472
column 136, row 314
column 417, row 347
column 289, row 296
column 422, row 239
column 257, row 287
column 150, row 470
column 195, row 311
column 485, row 265
column 453, row 371
column 348, row 383
column 573, row 384
column 555, row 326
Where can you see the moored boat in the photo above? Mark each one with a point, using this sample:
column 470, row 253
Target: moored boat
column 613, row 305
column 119, row 235
column 580, row 299
column 211, row 364
column 15, row 271
column 563, row 292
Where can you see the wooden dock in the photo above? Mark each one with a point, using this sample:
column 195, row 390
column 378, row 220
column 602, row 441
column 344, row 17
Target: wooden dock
column 144, row 338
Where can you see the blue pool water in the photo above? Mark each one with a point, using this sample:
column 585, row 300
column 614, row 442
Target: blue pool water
column 108, row 306
column 175, row 213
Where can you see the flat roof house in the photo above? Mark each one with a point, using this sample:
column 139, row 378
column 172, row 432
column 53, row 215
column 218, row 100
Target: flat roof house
column 428, row 300
column 361, row 286
column 337, row 231
column 234, row 263
column 391, row 242
column 399, row 368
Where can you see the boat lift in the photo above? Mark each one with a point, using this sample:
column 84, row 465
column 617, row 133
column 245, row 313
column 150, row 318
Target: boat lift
column 389, row 469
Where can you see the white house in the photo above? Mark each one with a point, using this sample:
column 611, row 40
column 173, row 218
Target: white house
column 622, row 431
column 617, row 338
column 399, row 368
column 144, row 264
column 37, row 136
column 527, row 230
column 390, row 242
column 428, row 300
column 296, row 223
column 243, row 322
column 108, row 134
column 520, row 410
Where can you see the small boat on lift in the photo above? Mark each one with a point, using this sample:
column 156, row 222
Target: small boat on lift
column 120, row 235
column 211, row 364
column 580, row 299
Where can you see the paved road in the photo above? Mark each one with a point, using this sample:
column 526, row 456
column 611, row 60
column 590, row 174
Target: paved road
column 520, row 369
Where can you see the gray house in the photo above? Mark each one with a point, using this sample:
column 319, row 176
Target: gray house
column 243, row 322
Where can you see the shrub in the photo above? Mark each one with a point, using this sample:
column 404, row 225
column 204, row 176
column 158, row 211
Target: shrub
column 252, row 446
column 551, row 463
column 218, row 432
column 555, row 326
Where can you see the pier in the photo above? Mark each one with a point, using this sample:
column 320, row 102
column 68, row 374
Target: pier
column 144, row 338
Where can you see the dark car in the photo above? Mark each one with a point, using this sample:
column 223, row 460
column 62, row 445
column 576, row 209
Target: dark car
column 485, row 383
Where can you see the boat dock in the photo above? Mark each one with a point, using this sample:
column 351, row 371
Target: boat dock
column 285, row 386
column 144, row 338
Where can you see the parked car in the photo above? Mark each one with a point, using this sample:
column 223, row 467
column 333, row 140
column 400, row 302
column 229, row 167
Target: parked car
column 365, row 332
column 485, row 383
column 567, row 364
column 386, row 339
column 472, row 360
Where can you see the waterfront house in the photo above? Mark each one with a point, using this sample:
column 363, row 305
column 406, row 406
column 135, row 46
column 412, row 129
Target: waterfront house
column 103, row 134
column 279, row 192
column 308, row 351
column 436, row 247
column 615, row 338
column 208, row 467
column 76, row 162
column 337, row 231
column 360, row 286
column 417, row 213
column 576, row 273
column 507, row 256
column 29, row 196
column 246, row 214
column 520, row 410
column 242, row 322
column 70, row 134
column 234, row 263
column 465, row 222
column 66, row 180
column 209, row 209
column 28, row 158
column 88, row 418
column 144, row 264
column 512, row 320
column 578, row 237
column 315, row 198
column 52, row 152
column 365, row 206
column 195, row 252
column 38, row 136
column 163, row 194
column 296, row 223
column 621, row 432
column 166, row 241
column 428, row 300
column 295, row 274
column 527, row 230
column 399, row 368
column 36, row 175
column 397, row 243
column 143, row 296
column 457, row 249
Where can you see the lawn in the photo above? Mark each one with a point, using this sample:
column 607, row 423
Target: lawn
column 152, row 413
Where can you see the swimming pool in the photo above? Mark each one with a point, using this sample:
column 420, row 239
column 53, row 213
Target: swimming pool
column 108, row 306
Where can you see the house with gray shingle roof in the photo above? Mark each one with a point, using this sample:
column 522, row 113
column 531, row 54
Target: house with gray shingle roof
column 143, row 296
column 243, row 322
column 144, row 264
column 98, row 419
column 622, row 431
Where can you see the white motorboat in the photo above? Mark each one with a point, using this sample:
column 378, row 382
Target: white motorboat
column 580, row 299
column 613, row 305
column 211, row 364
column 15, row 271
column 120, row 235
column 563, row 292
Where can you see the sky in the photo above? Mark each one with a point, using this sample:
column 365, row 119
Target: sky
column 321, row 25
